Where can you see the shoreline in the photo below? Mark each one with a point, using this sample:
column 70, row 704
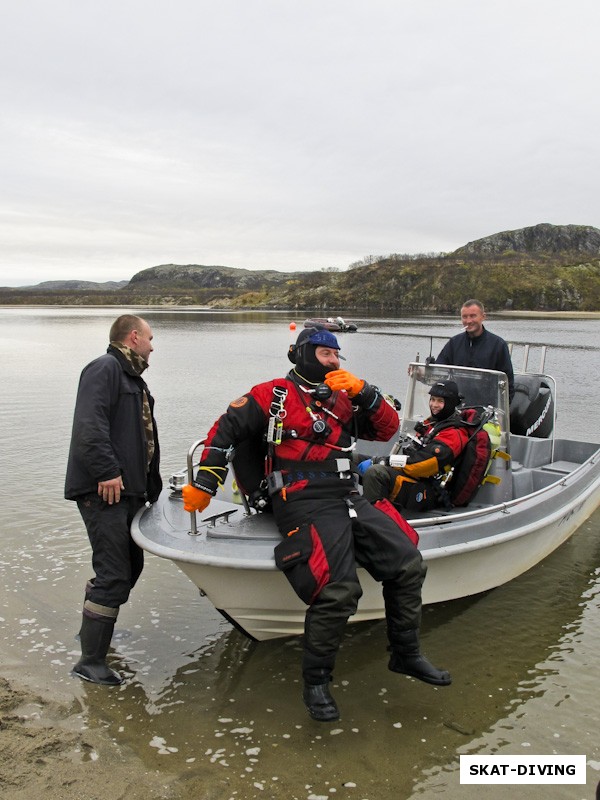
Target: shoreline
column 547, row 314
column 522, row 314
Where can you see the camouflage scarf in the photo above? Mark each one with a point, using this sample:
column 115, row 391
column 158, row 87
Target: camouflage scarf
column 138, row 365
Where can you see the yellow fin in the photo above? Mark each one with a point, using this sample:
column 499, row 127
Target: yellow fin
column 495, row 479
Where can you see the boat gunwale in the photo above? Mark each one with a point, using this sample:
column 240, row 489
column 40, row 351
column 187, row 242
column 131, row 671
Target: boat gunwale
column 561, row 479
column 439, row 551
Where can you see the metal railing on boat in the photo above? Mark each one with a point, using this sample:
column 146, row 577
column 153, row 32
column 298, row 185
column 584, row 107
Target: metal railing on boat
column 190, row 473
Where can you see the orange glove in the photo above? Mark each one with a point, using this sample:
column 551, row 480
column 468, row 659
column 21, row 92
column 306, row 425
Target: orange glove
column 340, row 379
column 194, row 499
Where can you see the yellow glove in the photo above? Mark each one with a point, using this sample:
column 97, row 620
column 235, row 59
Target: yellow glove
column 340, row 379
column 194, row 499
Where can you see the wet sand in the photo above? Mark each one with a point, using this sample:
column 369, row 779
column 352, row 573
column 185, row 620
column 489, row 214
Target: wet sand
column 47, row 752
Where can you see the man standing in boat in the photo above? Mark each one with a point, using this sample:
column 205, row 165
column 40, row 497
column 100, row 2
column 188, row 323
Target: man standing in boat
column 476, row 346
column 113, row 469
column 309, row 419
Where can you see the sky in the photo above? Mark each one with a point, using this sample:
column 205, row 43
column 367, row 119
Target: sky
column 287, row 134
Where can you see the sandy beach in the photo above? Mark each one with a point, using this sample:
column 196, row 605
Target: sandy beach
column 46, row 751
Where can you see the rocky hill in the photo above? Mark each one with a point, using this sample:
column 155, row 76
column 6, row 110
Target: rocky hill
column 62, row 286
column 543, row 267
column 541, row 239
column 197, row 276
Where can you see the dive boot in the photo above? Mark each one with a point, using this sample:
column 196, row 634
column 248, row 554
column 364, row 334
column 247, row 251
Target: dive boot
column 95, row 637
column 319, row 702
column 406, row 658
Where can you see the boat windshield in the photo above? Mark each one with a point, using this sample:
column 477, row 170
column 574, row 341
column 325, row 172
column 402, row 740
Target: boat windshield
column 479, row 387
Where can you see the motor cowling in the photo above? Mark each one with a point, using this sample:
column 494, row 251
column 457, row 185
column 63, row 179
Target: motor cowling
column 532, row 407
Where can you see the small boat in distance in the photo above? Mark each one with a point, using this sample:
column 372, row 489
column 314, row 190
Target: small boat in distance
column 334, row 324
column 540, row 490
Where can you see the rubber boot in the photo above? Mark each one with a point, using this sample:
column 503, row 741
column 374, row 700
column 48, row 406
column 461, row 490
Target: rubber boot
column 89, row 587
column 406, row 658
column 318, row 700
column 95, row 638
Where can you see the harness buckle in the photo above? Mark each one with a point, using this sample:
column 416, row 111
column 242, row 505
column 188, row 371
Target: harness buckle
column 343, row 464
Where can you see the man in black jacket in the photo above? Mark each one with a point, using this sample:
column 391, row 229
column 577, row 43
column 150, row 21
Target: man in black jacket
column 113, row 469
column 477, row 347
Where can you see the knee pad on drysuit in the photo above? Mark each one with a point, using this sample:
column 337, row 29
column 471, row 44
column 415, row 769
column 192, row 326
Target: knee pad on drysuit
column 326, row 618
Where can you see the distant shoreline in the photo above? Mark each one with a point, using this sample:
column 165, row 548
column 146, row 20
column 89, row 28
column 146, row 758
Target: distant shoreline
column 548, row 314
column 522, row 314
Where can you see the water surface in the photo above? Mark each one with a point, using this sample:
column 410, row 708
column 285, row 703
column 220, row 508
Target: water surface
column 225, row 714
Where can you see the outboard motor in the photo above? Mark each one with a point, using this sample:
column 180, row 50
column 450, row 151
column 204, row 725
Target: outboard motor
column 532, row 407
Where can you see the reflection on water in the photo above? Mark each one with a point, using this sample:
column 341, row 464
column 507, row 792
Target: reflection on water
column 203, row 702
column 225, row 714
column 231, row 714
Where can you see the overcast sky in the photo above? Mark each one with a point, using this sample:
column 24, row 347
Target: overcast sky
column 287, row 134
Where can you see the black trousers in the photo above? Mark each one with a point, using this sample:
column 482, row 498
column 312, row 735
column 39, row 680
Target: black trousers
column 334, row 534
column 116, row 559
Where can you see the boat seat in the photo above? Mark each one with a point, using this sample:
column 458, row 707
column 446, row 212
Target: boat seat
column 562, row 467
column 522, row 483
column 530, row 452
column 530, row 480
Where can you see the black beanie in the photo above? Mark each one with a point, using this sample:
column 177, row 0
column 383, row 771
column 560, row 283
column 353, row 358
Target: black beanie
column 449, row 391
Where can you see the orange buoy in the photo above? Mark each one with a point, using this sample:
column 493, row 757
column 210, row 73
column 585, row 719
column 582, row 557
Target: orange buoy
column 292, row 326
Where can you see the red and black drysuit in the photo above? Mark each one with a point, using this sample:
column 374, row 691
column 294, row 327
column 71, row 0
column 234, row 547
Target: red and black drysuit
column 441, row 444
column 328, row 527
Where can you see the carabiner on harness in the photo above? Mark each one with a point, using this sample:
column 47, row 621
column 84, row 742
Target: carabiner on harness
column 277, row 415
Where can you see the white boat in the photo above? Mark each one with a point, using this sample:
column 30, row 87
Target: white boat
column 538, row 493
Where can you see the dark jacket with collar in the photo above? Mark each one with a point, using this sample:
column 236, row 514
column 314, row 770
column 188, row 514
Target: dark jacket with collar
column 108, row 436
column 487, row 351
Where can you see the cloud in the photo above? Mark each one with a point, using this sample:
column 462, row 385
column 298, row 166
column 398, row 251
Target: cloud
column 296, row 135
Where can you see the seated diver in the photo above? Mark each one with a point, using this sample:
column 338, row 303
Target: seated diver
column 416, row 480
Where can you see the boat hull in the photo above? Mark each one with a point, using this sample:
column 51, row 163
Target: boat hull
column 331, row 325
column 231, row 560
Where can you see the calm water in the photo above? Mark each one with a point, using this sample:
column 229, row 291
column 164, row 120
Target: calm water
column 224, row 714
